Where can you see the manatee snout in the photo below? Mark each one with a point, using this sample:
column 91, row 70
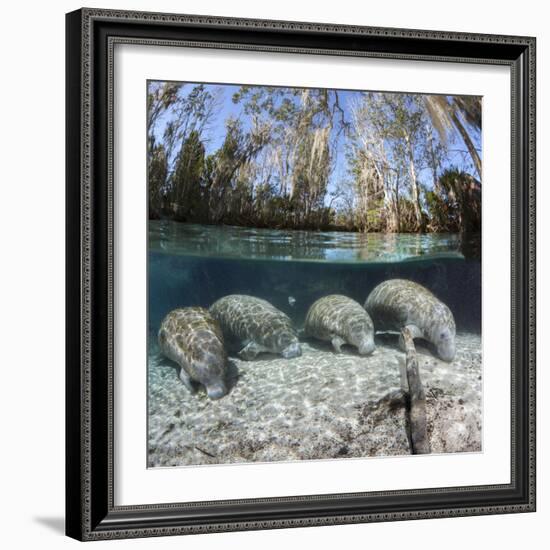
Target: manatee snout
column 445, row 344
column 293, row 350
column 362, row 337
column 211, row 373
column 446, row 350
column 366, row 346
column 217, row 391
column 288, row 344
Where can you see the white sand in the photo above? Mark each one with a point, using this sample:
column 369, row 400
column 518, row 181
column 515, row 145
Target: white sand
column 317, row 406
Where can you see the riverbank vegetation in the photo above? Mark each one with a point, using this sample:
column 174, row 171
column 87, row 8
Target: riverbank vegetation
column 314, row 158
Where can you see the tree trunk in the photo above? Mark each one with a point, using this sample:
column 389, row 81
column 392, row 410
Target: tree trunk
column 397, row 208
column 468, row 142
column 437, row 187
column 388, row 204
column 414, row 186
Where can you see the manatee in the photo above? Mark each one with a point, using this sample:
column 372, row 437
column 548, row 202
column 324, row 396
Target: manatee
column 192, row 338
column 253, row 326
column 397, row 303
column 341, row 320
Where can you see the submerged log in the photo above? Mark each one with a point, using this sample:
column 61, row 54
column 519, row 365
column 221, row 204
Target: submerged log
column 420, row 443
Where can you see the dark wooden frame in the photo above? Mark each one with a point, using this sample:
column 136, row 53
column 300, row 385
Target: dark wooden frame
column 90, row 511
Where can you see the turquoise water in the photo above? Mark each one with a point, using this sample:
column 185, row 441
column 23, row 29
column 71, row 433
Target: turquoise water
column 192, row 264
column 290, row 245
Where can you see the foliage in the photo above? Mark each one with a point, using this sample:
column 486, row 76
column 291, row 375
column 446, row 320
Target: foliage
column 185, row 194
column 157, row 177
column 457, row 206
column 458, row 112
column 275, row 164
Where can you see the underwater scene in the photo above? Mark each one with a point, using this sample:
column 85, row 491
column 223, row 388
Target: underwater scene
column 314, row 274
column 319, row 404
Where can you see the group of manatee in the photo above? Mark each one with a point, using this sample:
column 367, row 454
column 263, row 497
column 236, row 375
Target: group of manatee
column 199, row 339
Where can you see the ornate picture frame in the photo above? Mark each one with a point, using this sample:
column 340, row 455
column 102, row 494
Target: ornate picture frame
column 91, row 512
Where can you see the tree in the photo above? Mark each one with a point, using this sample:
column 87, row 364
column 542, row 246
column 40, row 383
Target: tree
column 407, row 131
column 457, row 112
column 185, row 194
column 157, row 180
column 297, row 161
column 369, row 164
column 160, row 97
column 192, row 112
column 388, row 137
column 311, row 168
column 464, row 191
column 238, row 150
column 456, row 207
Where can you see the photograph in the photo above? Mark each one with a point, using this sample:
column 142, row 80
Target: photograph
column 314, row 280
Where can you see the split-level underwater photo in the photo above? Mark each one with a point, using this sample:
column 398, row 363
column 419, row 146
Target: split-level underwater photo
column 314, row 274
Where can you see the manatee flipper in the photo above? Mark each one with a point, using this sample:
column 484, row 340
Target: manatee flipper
column 249, row 352
column 337, row 343
column 186, row 379
column 414, row 331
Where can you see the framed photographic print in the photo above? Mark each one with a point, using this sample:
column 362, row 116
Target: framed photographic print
column 300, row 274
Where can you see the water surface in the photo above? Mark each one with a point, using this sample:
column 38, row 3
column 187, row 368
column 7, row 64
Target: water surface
column 292, row 245
column 194, row 265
